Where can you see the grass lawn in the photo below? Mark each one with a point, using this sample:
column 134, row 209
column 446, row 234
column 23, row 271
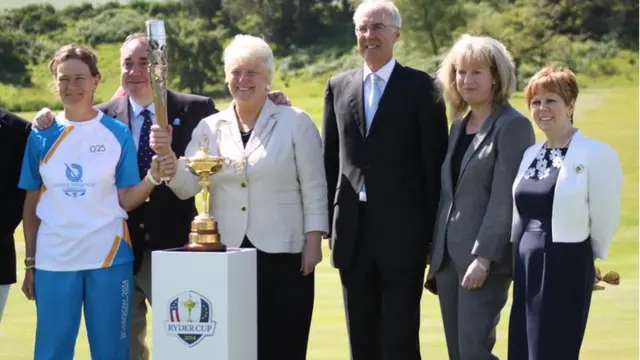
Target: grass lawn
column 610, row 115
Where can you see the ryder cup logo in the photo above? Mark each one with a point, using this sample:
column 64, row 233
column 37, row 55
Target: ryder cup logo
column 190, row 318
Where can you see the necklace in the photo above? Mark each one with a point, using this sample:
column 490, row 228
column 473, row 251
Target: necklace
column 573, row 131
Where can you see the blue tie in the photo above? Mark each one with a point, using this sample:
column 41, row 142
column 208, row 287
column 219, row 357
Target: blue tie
column 145, row 153
column 370, row 111
column 372, row 99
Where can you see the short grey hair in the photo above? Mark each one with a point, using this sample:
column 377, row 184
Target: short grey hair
column 135, row 36
column 388, row 5
column 248, row 47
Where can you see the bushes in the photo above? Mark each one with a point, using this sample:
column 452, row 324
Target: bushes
column 111, row 26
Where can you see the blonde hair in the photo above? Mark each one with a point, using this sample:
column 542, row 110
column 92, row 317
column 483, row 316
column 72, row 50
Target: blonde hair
column 559, row 80
column 483, row 51
column 248, row 47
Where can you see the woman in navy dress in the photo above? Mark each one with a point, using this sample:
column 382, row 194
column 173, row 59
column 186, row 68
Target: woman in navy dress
column 566, row 211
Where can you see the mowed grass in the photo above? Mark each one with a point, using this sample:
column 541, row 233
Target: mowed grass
column 609, row 115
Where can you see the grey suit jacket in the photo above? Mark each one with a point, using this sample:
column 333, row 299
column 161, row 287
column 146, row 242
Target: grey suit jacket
column 474, row 219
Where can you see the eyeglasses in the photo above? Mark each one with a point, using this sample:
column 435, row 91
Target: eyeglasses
column 374, row 28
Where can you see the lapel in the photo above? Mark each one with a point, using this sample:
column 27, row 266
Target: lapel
column 121, row 110
column 456, row 131
column 356, row 93
column 3, row 123
column 174, row 110
column 572, row 159
column 264, row 125
column 497, row 111
column 388, row 97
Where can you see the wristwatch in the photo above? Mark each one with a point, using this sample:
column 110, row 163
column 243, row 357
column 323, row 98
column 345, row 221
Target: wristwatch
column 29, row 261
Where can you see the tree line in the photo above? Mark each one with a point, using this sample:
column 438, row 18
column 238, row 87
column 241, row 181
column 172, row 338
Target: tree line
column 317, row 35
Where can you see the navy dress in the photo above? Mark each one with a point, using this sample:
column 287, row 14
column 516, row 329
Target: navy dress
column 552, row 281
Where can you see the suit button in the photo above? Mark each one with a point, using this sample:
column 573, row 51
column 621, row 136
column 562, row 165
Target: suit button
column 244, row 208
column 244, row 185
column 147, row 237
column 141, row 226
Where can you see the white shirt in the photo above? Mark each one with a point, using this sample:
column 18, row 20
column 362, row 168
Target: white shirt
column 78, row 168
column 384, row 73
column 136, row 120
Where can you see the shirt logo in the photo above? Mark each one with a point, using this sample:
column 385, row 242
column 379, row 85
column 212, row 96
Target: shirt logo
column 189, row 318
column 74, row 175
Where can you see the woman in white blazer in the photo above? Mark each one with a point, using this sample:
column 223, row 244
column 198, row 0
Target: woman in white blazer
column 566, row 211
column 271, row 194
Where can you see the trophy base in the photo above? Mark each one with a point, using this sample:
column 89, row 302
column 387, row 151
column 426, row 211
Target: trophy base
column 206, row 247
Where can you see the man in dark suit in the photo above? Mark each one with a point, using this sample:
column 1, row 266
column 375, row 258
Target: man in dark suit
column 164, row 221
column 14, row 132
column 385, row 137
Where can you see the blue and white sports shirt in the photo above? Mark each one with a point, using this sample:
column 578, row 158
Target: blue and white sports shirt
column 79, row 167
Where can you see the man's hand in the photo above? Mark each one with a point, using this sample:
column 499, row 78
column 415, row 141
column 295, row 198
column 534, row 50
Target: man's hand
column 279, row 98
column 160, row 139
column 44, row 119
column 476, row 274
column 168, row 164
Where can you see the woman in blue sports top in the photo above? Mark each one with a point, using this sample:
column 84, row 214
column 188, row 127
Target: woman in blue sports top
column 81, row 176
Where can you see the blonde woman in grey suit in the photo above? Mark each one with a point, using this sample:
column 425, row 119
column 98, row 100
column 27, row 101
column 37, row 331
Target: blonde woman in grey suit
column 470, row 265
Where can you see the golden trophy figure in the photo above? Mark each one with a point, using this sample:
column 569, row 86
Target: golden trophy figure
column 189, row 305
column 204, row 234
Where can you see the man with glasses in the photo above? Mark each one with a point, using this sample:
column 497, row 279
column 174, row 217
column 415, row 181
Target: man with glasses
column 385, row 138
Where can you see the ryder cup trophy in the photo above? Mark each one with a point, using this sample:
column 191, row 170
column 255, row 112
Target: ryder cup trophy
column 157, row 56
column 204, row 234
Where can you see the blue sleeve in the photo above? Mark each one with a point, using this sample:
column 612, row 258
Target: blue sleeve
column 30, row 178
column 127, row 168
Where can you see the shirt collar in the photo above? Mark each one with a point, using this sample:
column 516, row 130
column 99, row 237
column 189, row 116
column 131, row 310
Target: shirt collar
column 137, row 108
column 384, row 72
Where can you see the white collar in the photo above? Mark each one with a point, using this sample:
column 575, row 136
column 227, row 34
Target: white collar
column 137, row 108
column 384, row 72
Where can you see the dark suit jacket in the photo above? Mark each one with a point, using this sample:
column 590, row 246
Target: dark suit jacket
column 399, row 159
column 474, row 218
column 165, row 221
column 14, row 132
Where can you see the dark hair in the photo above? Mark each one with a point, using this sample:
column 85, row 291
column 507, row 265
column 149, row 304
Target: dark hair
column 78, row 52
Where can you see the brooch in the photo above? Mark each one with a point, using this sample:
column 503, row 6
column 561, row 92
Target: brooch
column 579, row 168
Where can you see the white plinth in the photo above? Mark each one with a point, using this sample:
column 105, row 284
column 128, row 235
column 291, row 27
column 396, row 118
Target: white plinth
column 220, row 288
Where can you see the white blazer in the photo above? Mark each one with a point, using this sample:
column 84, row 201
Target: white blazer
column 274, row 190
column 587, row 194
